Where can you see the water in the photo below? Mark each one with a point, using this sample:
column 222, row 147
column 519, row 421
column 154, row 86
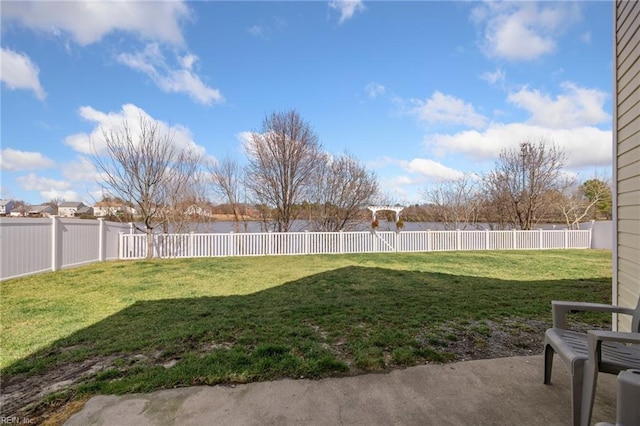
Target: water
column 301, row 226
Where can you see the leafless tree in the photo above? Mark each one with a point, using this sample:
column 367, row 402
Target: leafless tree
column 455, row 203
column 578, row 202
column 185, row 190
column 227, row 177
column 523, row 180
column 141, row 165
column 344, row 187
column 283, row 159
column 54, row 203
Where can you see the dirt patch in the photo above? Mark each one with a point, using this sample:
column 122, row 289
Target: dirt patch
column 489, row 339
column 30, row 397
column 23, row 397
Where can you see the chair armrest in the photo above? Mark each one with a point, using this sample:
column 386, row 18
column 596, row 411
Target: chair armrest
column 595, row 336
column 559, row 310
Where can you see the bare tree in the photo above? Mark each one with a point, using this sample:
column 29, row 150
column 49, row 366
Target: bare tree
column 455, row 203
column 142, row 166
column 183, row 190
column 344, row 188
column 578, row 202
column 283, row 160
column 523, row 180
column 227, row 177
column 54, row 203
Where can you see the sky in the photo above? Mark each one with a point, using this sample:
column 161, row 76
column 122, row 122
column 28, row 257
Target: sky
column 417, row 91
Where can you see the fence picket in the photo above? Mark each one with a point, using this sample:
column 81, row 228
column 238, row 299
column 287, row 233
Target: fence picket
column 291, row 243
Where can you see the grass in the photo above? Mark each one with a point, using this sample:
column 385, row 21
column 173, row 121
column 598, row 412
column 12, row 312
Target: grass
column 156, row 324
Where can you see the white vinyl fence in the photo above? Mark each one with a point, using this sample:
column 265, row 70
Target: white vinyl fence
column 30, row 246
column 33, row 245
column 134, row 246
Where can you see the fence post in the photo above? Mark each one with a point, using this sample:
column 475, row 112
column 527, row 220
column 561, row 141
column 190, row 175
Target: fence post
column 458, row 240
column 306, row 241
column 566, row 238
column 514, row 241
column 341, row 243
column 56, row 244
column 191, row 244
column 374, row 245
column 121, row 245
column 102, row 240
column 540, row 239
column 428, row 239
column 396, row 242
column 486, row 239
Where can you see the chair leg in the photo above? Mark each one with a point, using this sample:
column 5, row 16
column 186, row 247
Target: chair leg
column 577, row 378
column 548, row 363
column 588, row 392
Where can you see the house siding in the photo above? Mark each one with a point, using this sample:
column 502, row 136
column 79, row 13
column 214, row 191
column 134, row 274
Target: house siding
column 626, row 159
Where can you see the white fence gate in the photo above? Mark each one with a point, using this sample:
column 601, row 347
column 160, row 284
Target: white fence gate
column 134, row 246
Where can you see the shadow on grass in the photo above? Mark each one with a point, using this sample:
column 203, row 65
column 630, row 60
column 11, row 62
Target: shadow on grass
column 344, row 321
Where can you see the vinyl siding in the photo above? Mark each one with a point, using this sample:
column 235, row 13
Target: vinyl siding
column 627, row 155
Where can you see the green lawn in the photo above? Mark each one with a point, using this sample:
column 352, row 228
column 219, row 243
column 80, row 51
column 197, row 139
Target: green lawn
column 162, row 323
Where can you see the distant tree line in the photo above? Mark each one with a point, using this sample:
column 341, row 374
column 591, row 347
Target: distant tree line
column 288, row 176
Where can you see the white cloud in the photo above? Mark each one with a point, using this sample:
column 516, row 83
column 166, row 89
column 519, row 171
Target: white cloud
column 87, row 22
column 245, row 137
column 523, row 31
column 493, row 78
column 113, row 121
column 441, row 108
column 54, row 194
column 33, row 182
column 152, row 62
column 256, row 30
column 188, row 61
column 347, row 8
column 80, row 170
column 431, row 169
column 583, row 146
column 374, row 89
column 399, row 189
column 268, row 27
column 17, row 71
column 575, row 107
column 404, row 184
column 14, row 160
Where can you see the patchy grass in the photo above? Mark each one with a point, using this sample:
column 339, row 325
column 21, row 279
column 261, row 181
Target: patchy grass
column 136, row 326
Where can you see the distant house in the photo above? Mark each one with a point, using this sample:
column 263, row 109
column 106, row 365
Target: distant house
column 41, row 210
column 19, row 211
column 70, row 208
column 6, row 206
column 85, row 210
column 111, row 208
column 195, row 210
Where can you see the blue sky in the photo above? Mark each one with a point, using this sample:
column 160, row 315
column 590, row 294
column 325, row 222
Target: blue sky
column 418, row 91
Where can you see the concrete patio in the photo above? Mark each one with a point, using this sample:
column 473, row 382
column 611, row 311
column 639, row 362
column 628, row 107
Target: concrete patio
column 505, row 391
